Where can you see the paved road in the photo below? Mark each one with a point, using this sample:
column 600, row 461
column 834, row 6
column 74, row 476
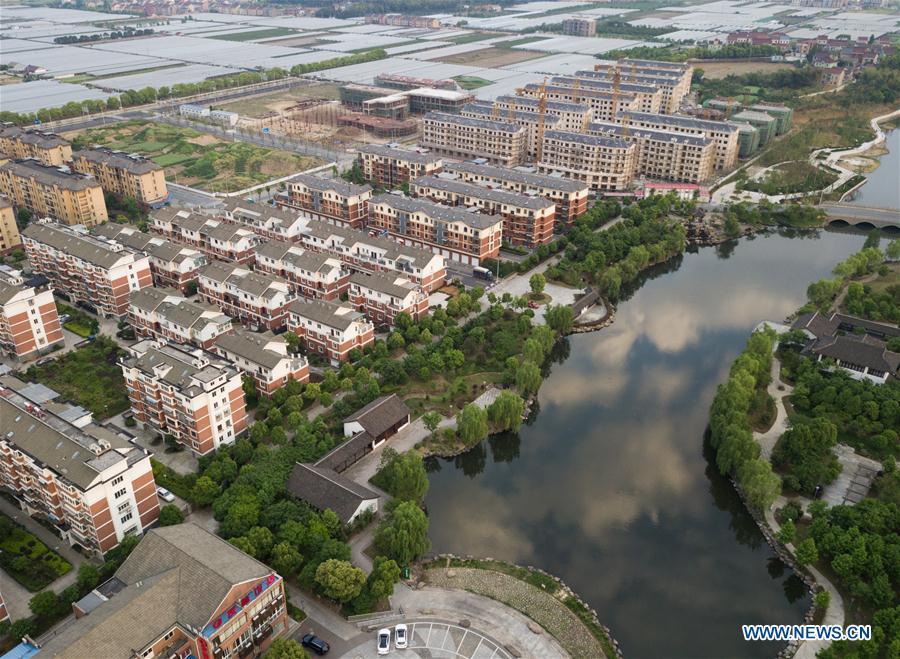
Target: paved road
column 880, row 217
column 435, row 639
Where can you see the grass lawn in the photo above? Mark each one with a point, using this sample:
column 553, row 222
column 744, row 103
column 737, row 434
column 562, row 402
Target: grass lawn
column 28, row 560
column 253, row 35
column 79, row 323
column 471, row 82
column 89, row 376
column 195, row 158
column 792, row 177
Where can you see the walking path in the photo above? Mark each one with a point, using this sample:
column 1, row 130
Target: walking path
column 777, row 390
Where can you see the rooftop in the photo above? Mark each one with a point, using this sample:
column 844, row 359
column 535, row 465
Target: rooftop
column 618, row 130
column 48, row 175
column 517, row 176
column 590, row 140
column 132, row 163
column 330, row 314
column 79, row 245
column 436, row 211
column 680, row 121
column 472, row 190
column 380, row 415
column 388, row 151
column 325, row 185
column 393, row 285
column 488, row 124
column 325, row 489
column 35, row 137
column 256, row 348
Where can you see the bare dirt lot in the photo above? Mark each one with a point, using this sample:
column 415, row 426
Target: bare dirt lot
column 722, row 69
column 270, row 104
column 492, row 58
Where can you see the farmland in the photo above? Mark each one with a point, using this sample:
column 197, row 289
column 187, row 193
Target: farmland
column 491, row 58
column 722, row 69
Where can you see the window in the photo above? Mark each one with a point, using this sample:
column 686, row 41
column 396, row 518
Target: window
column 120, row 493
column 117, row 480
column 127, row 517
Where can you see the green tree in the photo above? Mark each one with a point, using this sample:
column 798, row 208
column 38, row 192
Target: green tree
column 532, row 351
column 45, row 604
column 528, row 378
column 286, row 559
column 432, row 420
column 893, row 249
column 88, row 577
column 822, row 599
column 807, row 552
column 506, row 412
column 286, row 648
column 402, row 475
column 403, row 534
column 787, row 532
column 537, row 282
column 759, row 483
column 385, row 573
column 205, row 491
column 170, row 515
column 560, row 318
column 472, row 424
column 339, row 580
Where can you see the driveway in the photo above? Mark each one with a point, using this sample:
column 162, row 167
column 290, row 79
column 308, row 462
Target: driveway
column 434, row 639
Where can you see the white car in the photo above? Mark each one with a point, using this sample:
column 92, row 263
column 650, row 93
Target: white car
column 400, row 638
column 384, row 641
column 165, row 495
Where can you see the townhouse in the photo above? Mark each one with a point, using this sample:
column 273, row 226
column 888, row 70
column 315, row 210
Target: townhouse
column 55, row 192
column 158, row 313
column 48, row 148
column 329, row 200
column 455, row 234
column 257, row 300
column 387, row 166
column 9, row 230
column 605, row 163
column 527, row 220
column 455, row 136
column 29, row 323
column 185, row 392
column 530, row 121
column 124, row 175
column 264, row 357
column 311, row 274
column 269, row 222
column 216, row 238
column 604, row 104
column 723, row 133
column 381, row 297
column 569, row 196
column 328, row 329
column 93, row 486
column 85, row 269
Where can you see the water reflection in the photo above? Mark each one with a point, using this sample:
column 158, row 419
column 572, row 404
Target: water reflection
column 610, row 488
column 881, row 189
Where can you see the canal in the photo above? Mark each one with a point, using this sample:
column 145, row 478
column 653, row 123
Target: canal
column 610, row 487
column 882, row 186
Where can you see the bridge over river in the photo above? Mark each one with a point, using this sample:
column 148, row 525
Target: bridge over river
column 862, row 216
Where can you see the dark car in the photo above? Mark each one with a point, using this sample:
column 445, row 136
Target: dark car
column 315, row 644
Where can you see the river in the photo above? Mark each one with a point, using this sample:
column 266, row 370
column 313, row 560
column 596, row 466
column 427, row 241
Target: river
column 882, row 186
column 610, row 487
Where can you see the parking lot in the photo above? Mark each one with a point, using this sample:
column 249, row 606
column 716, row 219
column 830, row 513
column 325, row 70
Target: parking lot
column 437, row 640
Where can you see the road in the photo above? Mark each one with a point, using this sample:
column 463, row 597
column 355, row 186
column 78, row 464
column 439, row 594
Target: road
column 880, row 217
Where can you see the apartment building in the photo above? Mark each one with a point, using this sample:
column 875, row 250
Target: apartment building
column 329, row 200
column 430, row 99
column 56, row 192
column 499, row 142
column 455, row 234
column 172, row 264
column 29, row 324
column 530, row 121
column 374, row 253
column 216, row 238
column 569, row 196
column 206, row 599
column 93, row 486
column 673, row 78
column 723, row 133
column 257, row 300
column 579, row 26
column 382, row 296
column 185, row 392
column 125, row 175
column 649, row 96
column 328, row 329
column 266, row 221
column 85, row 269
column 311, row 274
column 527, row 220
column 605, row 163
column 387, row 166
column 9, row 230
column 572, row 116
column 158, row 313
column 48, row 148
column 603, row 104
column 264, row 357
column 664, row 155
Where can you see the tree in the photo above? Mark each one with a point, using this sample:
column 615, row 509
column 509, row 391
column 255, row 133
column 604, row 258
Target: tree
column 45, row 604
column 205, row 491
column 893, row 249
column 431, row 420
column 787, row 532
column 560, row 318
column 170, row 515
column 506, row 412
column 759, row 483
column 339, row 580
column 472, row 424
column 402, row 475
column 286, row 648
column 385, row 573
column 403, row 534
column 806, row 552
column 286, row 559
column 22, row 627
column 532, row 351
column 528, row 378
column 88, row 577
column 537, row 282
column 292, row 341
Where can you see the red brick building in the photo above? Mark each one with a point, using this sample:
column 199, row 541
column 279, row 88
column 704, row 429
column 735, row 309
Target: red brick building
column 259, row 301
column 381, row 297
column 330, row 200
column 264, row 357
column 157, row 313
column 311, row 274
column 29, row 324
column 328, row 329
column 216, row 238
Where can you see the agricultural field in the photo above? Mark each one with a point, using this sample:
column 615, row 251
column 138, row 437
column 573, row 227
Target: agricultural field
column 722, row 69
column 264, row 106
column 253, row 35
column 472, row 82
column 491, row 58
column 197, row 159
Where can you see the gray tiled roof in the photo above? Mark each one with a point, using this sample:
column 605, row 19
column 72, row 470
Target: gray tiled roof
column 436, row 211
column 404, row 154
column 618, row 130
column 118, row 160
column 488, row 124
column 560, row 106
column 680, row 121
column 380, row 415
column 297, row 257
column 591, row 140
column 472, row 190
column 78, row 245
column 36, row 137
column 865, row 351
column 392, row 251
column 337, row 316
column 582, row 93
column 486, row 109
column 568, row 81
column 324, row 185
column 325, row 489
column 384, row 283
column 517, row 176
column 48, row 175
column 252, row 347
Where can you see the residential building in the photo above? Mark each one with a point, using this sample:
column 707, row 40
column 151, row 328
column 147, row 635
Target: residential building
column 579, row 26
column 216, row 238
column 381, row 297
column 310, row 273
column 264, row 357
column 784, row 116
column 832, row 77
column 259, row 301
column 664, row 155
column 394, row 81
column 606, row 163
column 324, row 489
column 373, row 252
column 604, row 104
column 569, row 196
column 192, row 111
column 455, row 234
column 572, row 116
column 328, row 329
column 649, row 96
column 158, row 313
column 185, row 392
column 207, row 598
column 93, row 486
column 673, row 78
column 125, row 175
column 394, row 106
column 266, row 221
column 527, row 220
column 354, row 95
column 29, row 323
column 723, row 133
column 387, row 166
column 365, row 430
column 55, row 192
column 86, row 269
column 766, row 124
column 172, row 264
column 530, row 121
column 47, row 148
column 431, row 99
column 9, row 230
column 499, row 142
column 329, row 200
